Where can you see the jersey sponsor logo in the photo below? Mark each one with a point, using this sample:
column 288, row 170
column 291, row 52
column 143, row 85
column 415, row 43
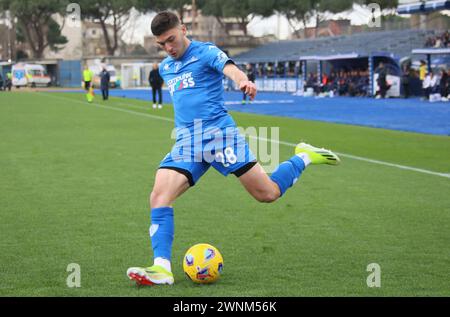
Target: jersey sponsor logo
column 181, row 82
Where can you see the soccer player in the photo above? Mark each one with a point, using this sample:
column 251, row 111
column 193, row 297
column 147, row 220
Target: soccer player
column 193, row 72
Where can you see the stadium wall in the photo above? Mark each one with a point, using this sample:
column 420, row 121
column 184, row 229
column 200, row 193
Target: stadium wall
column 70, row 73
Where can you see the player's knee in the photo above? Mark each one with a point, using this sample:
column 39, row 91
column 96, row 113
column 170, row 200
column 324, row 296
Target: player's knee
column 159, row 199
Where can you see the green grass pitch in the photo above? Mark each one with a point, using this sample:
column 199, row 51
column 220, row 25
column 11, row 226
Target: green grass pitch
column 74, row 188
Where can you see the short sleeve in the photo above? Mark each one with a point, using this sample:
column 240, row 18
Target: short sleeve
column 216, row 58
column 161, row 71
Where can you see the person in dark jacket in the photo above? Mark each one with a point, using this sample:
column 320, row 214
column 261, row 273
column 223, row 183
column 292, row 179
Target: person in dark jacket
column 443, row 84
column 156, row 82
column 104, row 83
column 382, row 82
column 1, row 82
column 405, row 81
column 250, row 72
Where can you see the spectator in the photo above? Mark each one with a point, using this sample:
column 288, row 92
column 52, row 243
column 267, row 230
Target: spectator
column 434, row 88
column 443, row 84
column 104, row 83
column 447, row 91
column 1, row 82
column 311, row 82
column 405, row 81
column 446, row 38
column 438, row 41
column 434, row 83
column 344, row 83
column 383, row 85
column 156, row 82
column 426, row 86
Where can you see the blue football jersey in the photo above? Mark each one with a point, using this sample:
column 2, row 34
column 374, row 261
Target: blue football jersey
column 195, row 85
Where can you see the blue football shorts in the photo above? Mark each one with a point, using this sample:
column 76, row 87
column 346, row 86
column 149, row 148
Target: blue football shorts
column 222, row 148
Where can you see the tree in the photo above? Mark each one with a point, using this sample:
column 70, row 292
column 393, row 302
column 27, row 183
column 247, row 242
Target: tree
column 319, row 7
column 177, row 5
column 303, row 11
column 54, row 37
column 36, row 24
column 111, row 12
column 296, row 12
column 243, row 10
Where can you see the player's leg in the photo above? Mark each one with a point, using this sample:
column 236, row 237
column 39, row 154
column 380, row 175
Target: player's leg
column 268, row 189
column 172, row 179
column 235, row 157
column 259, row 184
column 87, row 87
column 169, row 185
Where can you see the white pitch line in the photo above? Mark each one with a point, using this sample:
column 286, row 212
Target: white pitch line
column 354, row 157
column 364, row 159
column 261, row 102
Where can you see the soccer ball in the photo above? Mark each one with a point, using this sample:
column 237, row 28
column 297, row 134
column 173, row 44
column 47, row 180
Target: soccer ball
column 203, row 263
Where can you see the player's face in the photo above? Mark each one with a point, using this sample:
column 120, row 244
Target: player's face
column 173, row 41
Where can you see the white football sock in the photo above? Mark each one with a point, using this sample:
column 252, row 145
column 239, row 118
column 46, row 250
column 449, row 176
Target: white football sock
column 164, row 263
column 305, row 158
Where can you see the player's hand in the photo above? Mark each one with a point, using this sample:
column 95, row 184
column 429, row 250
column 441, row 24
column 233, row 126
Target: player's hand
column 248, row 88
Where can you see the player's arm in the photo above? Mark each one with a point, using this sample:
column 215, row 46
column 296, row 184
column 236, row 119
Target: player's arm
column 235, row 74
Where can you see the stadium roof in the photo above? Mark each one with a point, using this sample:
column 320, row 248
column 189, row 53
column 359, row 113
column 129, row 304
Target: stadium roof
column 344, row 56
column 398, row 42
column 420, row 7
column 431, row 51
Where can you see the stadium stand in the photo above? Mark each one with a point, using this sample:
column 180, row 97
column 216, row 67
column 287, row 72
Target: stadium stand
column 398, row 42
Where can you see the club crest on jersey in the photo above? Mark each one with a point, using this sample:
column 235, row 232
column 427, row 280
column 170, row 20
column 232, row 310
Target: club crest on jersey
column 166, row 67
column 178, row 66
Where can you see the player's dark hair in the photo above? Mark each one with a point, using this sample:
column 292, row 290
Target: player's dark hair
column 163, row 22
